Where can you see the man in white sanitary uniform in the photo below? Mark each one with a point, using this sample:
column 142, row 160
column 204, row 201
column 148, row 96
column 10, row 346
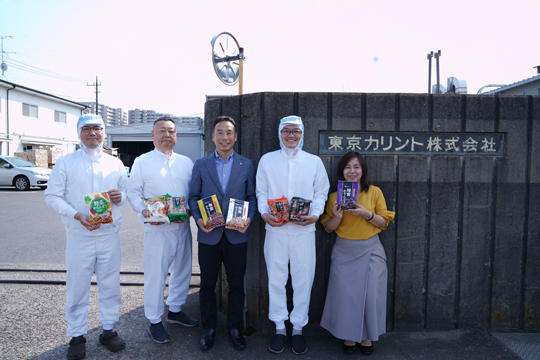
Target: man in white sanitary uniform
column 89, row 248
column 156, row 173
column 290, row 172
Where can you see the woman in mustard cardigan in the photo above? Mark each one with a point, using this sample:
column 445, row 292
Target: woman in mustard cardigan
column 355, row 307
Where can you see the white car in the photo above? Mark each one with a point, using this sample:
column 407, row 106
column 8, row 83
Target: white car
column 21, row 173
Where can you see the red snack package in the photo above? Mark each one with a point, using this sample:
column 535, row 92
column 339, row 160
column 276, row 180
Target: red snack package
column 279, row 209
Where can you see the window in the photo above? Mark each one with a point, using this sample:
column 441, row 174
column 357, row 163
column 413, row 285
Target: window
column 59, row 116
column 30, row 110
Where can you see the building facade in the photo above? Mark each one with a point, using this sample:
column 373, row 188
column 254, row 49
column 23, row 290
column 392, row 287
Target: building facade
column 31, row 119
column 111, row 116
column 138, row 116
column 132, row 141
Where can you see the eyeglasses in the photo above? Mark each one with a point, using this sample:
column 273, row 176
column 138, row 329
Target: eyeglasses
column 96, row 129
column 296, row 132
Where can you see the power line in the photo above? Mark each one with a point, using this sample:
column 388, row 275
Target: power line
column 38, row 71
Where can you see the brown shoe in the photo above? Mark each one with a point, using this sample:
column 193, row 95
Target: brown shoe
column 112, row 341
column 77, row 348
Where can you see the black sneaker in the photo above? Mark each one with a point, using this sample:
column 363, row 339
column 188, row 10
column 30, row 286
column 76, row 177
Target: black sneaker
column 159, row 334
column 77, row 348
column 278, row 343
column 299, row 346
column 181, row 318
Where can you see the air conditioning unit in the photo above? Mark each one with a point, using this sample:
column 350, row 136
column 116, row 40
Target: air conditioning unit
column 442, row 89
column 456, row 86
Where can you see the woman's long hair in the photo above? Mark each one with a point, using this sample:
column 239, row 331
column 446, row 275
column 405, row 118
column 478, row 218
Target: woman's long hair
column 345, row 160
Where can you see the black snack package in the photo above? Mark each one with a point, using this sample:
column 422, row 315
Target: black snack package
column 299, row 207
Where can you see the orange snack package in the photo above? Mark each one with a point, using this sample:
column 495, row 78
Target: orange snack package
column 279, row 209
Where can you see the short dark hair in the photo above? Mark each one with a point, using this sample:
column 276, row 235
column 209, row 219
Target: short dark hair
column 224, row 118
column 164, row 118
column 364, row 183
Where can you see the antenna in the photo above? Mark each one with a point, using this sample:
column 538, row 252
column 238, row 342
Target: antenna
column 3, row 65
column 96, row 84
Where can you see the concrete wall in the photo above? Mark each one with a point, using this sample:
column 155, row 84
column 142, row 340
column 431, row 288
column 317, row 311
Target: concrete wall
column 464, row 248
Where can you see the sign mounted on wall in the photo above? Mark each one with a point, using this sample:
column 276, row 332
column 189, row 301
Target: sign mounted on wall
column 412, row 143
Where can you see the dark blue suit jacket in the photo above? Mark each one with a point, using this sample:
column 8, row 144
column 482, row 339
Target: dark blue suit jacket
column 241, row 186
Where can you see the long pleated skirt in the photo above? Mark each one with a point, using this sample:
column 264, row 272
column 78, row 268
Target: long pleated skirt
column 355, row 307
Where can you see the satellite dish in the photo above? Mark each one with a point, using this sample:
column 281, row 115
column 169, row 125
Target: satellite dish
column 226, row 57
column 3, row 66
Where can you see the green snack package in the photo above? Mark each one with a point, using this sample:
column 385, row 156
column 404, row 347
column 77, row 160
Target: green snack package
column 176, row 208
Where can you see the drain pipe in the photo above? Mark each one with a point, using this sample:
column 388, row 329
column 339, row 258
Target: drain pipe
column 7, row 115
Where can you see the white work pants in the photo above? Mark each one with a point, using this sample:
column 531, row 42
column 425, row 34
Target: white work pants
column 84, row 256
column 164, row 250
column 299, row 250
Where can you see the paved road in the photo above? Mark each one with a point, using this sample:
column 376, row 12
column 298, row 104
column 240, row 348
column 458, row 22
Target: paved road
column 32, row 233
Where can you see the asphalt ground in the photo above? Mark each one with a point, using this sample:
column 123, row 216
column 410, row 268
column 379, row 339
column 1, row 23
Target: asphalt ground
column 32, row 322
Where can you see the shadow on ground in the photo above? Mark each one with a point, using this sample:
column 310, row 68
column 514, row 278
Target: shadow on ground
column 32, row 326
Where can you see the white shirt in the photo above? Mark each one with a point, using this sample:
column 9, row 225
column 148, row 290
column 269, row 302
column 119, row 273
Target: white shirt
column 301, row 175
column 157, row 174
column 78, row 174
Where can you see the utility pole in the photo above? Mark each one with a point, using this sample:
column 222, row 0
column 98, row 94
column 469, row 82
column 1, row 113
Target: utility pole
column 3, row 65
column 96, row 84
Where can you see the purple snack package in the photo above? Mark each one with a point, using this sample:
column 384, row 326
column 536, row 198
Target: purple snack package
column 346, row 194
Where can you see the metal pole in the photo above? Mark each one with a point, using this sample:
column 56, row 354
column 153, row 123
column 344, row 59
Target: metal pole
column 437, row 56
column 241, row 73
column 429, row 56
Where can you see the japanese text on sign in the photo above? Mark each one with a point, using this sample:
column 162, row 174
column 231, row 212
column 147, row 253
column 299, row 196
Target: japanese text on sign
column 401, row 143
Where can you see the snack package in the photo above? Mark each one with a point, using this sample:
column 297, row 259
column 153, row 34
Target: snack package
column 346, row 194
column 157, row 210
column 211, row 212
column 176, row 208
column 279, row 209
column 100, row 208
column 237, row 214
column 299, row 207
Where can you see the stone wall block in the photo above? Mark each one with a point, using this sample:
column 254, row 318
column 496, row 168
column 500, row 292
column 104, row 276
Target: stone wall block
column 347, row 112
column 380, row 112
column 313, row 109
column 276, row 107
column 532, row 280
column 480, row 113
column 478, row 203
column 443, row 246
column 447, row 113
column 414, row 112
column 212, row 109
column 250, row 122
column 411, row 241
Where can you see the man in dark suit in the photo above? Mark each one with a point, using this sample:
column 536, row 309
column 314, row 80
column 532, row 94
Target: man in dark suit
column 227, row 175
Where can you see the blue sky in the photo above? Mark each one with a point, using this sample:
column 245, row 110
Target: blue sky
column 157, row 54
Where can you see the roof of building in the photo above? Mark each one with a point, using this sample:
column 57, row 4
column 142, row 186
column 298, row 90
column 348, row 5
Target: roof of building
column 44, row 94
column 516, row 84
